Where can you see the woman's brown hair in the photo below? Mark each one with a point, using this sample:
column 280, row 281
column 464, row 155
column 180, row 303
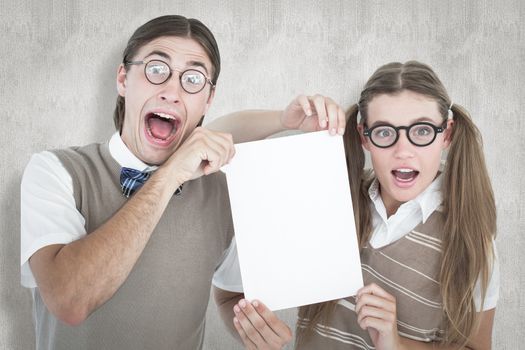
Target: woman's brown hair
column 468, row 200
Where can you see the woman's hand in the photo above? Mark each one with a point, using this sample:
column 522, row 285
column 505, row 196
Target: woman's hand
column 376, row 312
column 258, row 327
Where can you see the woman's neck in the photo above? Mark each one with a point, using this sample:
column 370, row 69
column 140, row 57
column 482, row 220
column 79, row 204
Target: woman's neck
column 391, row 205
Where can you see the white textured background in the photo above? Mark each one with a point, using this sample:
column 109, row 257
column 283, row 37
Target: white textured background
column 58, row 62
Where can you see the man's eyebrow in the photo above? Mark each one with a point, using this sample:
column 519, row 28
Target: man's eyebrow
column 158, row 53
column 168, row 57
column 198, row 64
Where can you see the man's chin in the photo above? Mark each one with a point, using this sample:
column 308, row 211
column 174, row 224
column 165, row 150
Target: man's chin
column 155, row 154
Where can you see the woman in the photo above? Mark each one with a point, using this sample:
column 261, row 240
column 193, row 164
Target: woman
column 426, row 230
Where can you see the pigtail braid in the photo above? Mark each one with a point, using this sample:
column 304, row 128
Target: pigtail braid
column 359, row 180
column 469, row 228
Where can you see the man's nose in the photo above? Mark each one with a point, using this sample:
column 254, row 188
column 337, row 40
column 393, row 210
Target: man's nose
column 171, row 90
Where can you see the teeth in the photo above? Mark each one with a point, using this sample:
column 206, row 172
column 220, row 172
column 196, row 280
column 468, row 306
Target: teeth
column 164, row 115
column 405, row 170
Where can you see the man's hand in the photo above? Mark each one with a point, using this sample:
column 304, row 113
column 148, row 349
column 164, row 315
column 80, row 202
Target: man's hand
column 258, row 327
column 314, row 113
column 202, row 153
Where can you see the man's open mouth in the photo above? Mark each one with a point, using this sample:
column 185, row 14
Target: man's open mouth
column 161, row 126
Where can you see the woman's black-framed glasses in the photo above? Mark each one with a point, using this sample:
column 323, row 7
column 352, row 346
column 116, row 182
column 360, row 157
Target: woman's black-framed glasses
column 419, row 134
column 158, row 72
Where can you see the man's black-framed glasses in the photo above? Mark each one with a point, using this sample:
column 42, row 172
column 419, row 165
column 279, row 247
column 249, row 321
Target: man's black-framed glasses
column 158, row 72
column 419, row 134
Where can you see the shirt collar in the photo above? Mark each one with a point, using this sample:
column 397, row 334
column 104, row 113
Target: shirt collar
column 428, row 201
column 121, row 153
column 377, row 201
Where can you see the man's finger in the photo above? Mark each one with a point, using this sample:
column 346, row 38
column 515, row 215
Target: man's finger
column 305, row 104
column 331, row 109
column 258, row 322
column 246, row 341
column 320, row 109
column 216, row 149
column 278, row 326
column 251, row 332
column 341, row 121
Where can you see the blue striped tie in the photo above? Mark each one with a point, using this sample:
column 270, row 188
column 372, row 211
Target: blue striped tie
column 131, row 180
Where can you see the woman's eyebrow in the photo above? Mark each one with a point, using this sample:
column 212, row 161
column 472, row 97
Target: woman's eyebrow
column 417, row 120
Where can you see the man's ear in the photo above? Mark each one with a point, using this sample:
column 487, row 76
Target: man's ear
column 210, row 100
column 364, row 140
column 121, row 80
column 449, row 131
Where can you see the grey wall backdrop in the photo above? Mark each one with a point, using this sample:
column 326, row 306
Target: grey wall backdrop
column 58, row 61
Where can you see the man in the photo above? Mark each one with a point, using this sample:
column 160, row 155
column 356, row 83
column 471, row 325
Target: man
column 133, row 273
column 112, row 263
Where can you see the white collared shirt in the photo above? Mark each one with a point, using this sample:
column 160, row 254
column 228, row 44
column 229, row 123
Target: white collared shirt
column 407, row 217
column 48, row 209
column 124, row 157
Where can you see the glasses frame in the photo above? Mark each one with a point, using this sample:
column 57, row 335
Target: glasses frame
column 437, row 130
column 145, row 63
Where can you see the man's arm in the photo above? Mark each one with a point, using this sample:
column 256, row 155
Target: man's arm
column 248, row 125
column 76, row 278
column 305, row 113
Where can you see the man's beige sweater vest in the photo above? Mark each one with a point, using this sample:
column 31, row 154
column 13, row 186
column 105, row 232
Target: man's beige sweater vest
column 162, row 304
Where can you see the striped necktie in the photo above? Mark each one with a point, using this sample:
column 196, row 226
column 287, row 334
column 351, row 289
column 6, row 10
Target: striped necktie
column 131, row 180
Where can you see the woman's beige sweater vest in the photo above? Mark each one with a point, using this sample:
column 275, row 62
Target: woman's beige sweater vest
column 408, row 269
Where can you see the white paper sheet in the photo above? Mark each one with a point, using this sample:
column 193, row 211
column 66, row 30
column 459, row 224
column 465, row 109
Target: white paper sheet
column 293, row 218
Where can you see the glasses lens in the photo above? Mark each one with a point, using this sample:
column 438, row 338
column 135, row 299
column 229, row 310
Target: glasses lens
column 157, row 72
column 383, row 135
column 192, row 81
column 421, row 134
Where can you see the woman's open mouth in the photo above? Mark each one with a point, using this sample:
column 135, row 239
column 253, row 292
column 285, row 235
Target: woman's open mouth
column 405, row 176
